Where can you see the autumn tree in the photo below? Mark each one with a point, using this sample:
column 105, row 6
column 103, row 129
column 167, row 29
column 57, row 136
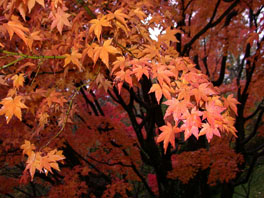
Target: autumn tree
column 93, row 106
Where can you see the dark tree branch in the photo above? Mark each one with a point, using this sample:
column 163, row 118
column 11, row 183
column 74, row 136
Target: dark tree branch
column 209, row 25
column 250, row 169
column 131, row 115
column 24, row 192
column 136, row 171
column 109, row 164
column 88, row 102
column 89, row 163
column 206, row 66
column 220, row 79
column 254, row 132
column 255, row 150
column 196, row 62
column 260, row 106
column 97, row 103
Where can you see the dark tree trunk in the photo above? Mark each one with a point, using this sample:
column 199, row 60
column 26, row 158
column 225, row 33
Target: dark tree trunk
column 227, row 190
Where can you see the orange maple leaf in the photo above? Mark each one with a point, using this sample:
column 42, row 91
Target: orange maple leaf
column 158, row 92
column 231, row 102
column 40, row 161
column 55, row 97
column 169, row 35
column 33, row 163
column 34, row 36
column 139, row 70
column 177, row 108
column 74, row 58
column 60, row 19
column 31, row 4
column 18, row 81
column 27, row 147
column 213, row 112
column 192, row 123
column 103, row 52
column 15, row 26
column 12, row 107
column 163, row 74
column 202, row 92
column 97, row 25
column 168, row 135
column 119, row 17
column 209, row 131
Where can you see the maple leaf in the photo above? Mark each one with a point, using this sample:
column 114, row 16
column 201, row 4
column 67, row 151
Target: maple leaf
column 50, row 161
column 120, row 19
column 18, row 81
column 168, row 135
column 33, row 36
column 228, row 124
column 119, row 15
column 176, row 108
column 213, row 112
column 163, row 74
column 158, row 92
column 15, row 26
column 202, row 92
column 122, row 76
column 192, row 123
column 97, row 25
column 139, row 70
column 169, row 35
column 27, row 148
column 120, row 63
column 60, row 19
column 31, row 4
column 231, row 102
column 55, row 97
column 12, row 107
column 140, row 14
column 209, row 131
column 33, row 163
column 39, row 161
column 74, row 58
column 101, row 81
column 103, row 52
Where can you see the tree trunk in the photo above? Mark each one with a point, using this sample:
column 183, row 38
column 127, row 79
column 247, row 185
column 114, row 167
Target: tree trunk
column 227, row 191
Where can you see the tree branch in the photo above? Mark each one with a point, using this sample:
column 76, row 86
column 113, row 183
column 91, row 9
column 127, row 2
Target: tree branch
column 220, row 79
column 210, row 24
column 254, row 132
